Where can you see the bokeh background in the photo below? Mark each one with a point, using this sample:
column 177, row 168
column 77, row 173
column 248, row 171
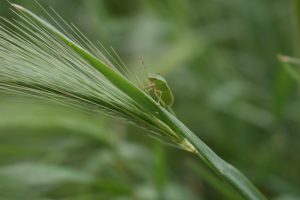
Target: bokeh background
column 220, row 59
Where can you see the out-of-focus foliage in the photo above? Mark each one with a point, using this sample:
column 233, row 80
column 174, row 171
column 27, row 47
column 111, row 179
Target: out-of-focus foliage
column 220, row 59
column 54, row 152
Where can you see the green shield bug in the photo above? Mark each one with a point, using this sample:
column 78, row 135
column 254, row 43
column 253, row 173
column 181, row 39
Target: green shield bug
column 160, row 88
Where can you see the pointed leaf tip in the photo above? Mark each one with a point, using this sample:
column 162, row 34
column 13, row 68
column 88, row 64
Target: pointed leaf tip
column 282, row 57
column 16, row 6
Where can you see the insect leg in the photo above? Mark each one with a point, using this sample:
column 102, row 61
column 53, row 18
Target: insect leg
column 149, row 88
column 159, row 94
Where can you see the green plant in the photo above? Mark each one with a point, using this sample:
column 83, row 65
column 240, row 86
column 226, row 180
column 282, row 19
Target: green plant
column 38, row 59
column 287, row 63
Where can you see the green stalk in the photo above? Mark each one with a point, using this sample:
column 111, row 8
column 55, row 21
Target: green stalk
column 295, row 6
column 222, row 168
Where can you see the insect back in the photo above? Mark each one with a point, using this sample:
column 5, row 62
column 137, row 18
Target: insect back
column 161, row 90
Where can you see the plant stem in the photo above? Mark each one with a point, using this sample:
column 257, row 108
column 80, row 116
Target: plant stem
column 295, row 6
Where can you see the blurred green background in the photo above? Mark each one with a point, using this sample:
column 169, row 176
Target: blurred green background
column 220, row 59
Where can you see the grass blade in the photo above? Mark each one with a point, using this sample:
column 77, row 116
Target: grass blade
column 185, row 138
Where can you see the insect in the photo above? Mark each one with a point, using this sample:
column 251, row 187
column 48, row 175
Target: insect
column 160, row 89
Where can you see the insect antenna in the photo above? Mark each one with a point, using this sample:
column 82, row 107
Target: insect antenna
column 144, row 66
column 150, row 86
